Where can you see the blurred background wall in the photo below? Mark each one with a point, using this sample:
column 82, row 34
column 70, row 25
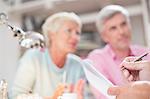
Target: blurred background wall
column 30, row 14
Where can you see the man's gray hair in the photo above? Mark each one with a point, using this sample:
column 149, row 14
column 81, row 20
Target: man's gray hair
column 108, row 12
column 54, row 22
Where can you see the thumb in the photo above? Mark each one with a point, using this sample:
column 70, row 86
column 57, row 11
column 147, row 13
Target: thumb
column 80, row 84
column 114, row 91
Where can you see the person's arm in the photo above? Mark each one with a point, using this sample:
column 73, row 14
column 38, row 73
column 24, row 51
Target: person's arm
column 25, row 77
column 77, row 88
column 134, row 71
column 135, row 90
column 58, row 92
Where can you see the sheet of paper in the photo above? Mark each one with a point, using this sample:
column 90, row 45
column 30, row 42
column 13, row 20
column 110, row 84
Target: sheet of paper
column 96, row 79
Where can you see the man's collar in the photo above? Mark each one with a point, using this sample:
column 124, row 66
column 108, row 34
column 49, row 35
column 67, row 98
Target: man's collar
column 113, row 55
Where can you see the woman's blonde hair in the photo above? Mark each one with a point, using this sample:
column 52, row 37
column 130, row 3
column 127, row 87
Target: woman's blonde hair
column 54, row 22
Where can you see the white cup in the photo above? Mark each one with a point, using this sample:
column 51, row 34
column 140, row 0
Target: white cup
column 68, row 96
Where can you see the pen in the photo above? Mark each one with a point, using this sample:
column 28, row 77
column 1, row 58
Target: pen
column 137, row 59
column 140, row 57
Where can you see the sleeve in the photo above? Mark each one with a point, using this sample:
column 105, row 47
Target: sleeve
column 25, row 76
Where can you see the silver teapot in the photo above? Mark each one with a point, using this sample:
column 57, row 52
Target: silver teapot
column 28, row 39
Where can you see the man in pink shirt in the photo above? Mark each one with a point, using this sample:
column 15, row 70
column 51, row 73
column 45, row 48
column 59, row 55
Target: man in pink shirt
column 114, row 27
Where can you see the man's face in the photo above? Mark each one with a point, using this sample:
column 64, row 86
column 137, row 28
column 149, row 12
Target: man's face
column 117, row 32
column 67, row 37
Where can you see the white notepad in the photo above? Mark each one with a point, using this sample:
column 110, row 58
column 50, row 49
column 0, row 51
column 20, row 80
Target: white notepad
column 96, row 79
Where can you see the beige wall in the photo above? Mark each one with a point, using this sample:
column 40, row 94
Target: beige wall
column 138, row 35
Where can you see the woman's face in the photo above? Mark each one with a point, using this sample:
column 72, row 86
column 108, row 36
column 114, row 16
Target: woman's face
column 67, row 37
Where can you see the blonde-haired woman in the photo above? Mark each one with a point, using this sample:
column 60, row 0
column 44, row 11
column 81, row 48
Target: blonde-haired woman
column 47, row 73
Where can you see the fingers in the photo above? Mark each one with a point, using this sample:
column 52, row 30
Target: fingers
column 126, row 73
column 125, row 62
column 128, row 63
column 59, row 90
column 79, row 86
column 117, row 90
column 130, row 78
column 114, row 91
column 71, row 87
column 129, row 59
column 135, row 90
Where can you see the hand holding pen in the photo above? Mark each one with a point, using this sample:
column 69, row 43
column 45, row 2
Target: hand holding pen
column 134, row 68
